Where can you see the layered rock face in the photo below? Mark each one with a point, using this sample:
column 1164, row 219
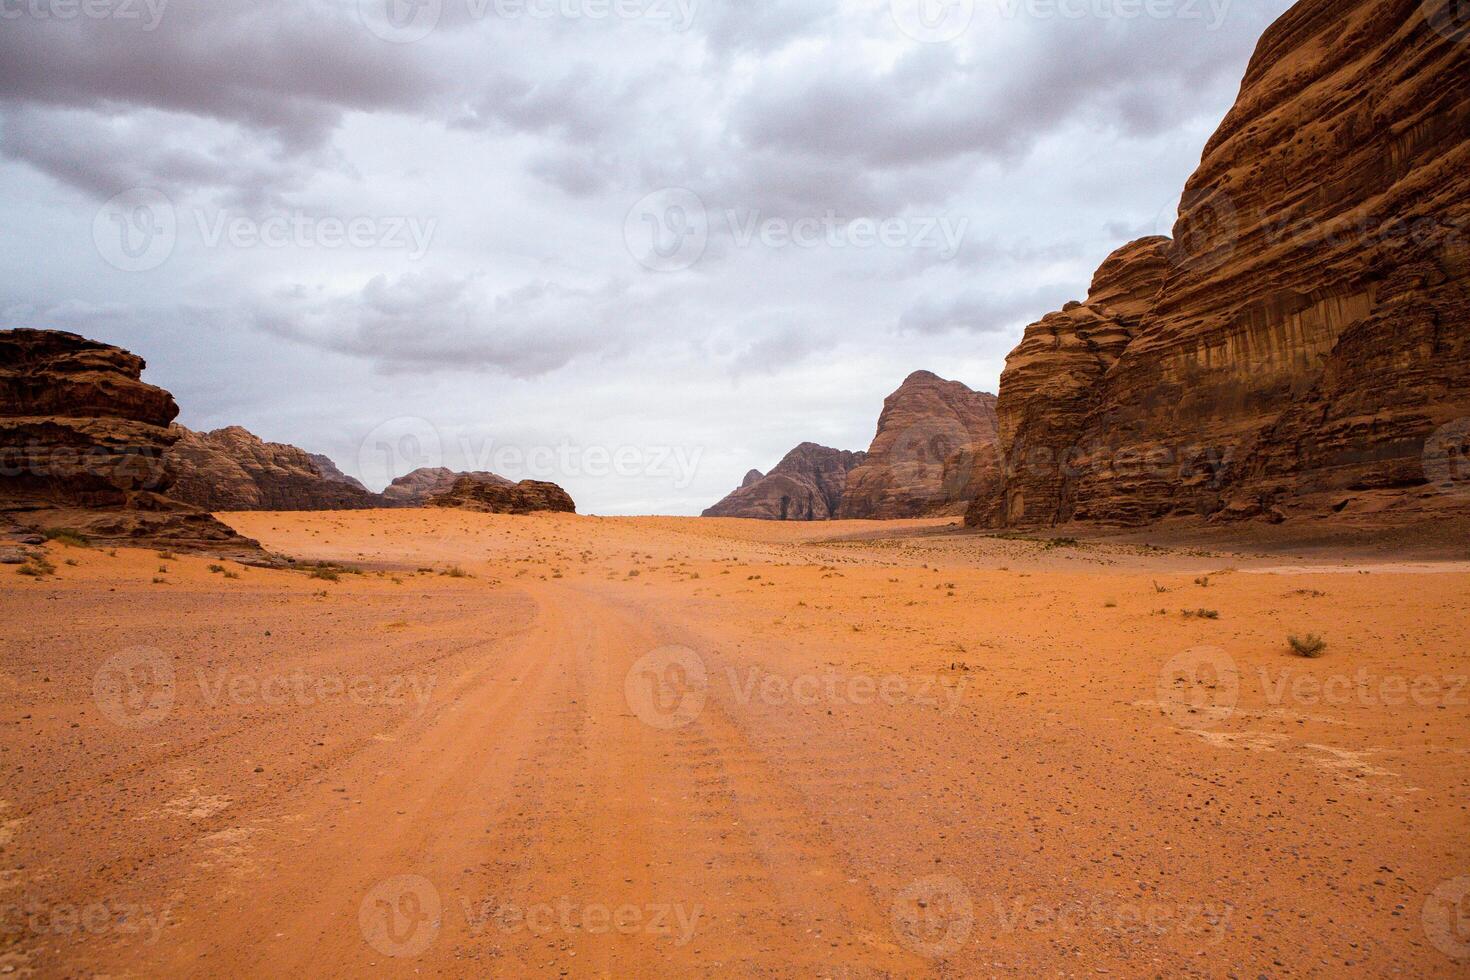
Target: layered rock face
column 232, row 469
column 500, row 496
column 1052, row 383
column 933, row 453
column 83, row 442
column 807, row 485
column 1311, row 335
column 78, row 425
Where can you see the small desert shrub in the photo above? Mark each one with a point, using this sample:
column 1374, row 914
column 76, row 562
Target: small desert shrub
column 1310, row 645
column 160, row 581
column 454, row 571
column 1110, row 604
column 328, row 574
column 1159, row 588
column 232, row 574
column 216, row 569
column 1061, row 543
column 67, row 536
column 1201, row 613
column 1203, row 581
column 167, row 556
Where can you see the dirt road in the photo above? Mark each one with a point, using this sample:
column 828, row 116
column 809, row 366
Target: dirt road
column 562, row 746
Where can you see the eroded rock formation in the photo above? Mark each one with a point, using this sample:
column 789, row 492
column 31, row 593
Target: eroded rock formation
column 1052, row 382
column 807, row 485
column 232, row 469
column 329, row 471
column 414, row 489
column 1311, row 336
column 82, row 445
column 933, row 452
column 497, row 495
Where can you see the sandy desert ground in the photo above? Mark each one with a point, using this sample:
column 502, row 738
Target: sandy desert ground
column 570, row 746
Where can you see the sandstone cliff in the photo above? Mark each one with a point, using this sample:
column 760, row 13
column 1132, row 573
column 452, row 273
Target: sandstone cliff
column 500, row 496
column 933, row 452
column 1052, row 382
column 232, row 469
column 82, row 445
column 807, row 485
column 1310, row 340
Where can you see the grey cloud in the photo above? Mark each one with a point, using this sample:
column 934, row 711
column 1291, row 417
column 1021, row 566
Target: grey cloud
column 104, row 105
column 980, row 312
column 940, row 101
column 738, row 27
column 102, row 155
column 422, row 322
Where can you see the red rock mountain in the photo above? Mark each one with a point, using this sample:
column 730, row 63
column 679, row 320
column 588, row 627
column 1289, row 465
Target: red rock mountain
column 414, row 489
column 232, row 469
column 500, row 496
column 1305, row 347
column 1052, row 382
column 807, row 485
column 82, row 445
column 329, row 471
column 934, row 449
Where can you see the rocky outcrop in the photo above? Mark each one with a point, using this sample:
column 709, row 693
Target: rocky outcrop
column 1310, row 340
column 1052, row 382
column 82, row 445
column 933, row 452
column 232, row 469
column 807, row 485
column 329, row 471
column 499, row 496
column 414, row 489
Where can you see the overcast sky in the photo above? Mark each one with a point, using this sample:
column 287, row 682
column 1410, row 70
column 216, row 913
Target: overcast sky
column 637, row 247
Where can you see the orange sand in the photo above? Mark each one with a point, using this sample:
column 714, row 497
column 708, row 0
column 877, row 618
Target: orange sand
column 638, row 747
